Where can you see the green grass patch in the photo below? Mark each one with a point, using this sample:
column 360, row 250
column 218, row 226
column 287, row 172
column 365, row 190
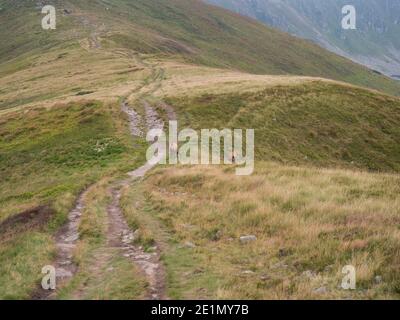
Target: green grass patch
column 48, row 156
column 319, row 124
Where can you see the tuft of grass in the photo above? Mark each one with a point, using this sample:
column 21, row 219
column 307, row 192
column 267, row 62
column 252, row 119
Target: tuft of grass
column 22, row 259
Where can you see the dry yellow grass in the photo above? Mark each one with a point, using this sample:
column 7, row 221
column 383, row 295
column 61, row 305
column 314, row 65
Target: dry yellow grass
column 183, row 79
column 68, row 75
column 75, row 72
column 309, row 224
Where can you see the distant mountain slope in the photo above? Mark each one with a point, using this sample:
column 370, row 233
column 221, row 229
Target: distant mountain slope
column 375, row 43
column 187, row 29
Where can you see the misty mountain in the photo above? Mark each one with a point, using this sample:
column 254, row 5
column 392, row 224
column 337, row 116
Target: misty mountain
column 375, row 42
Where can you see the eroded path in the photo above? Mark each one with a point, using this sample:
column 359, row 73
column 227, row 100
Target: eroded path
column 135, row 120
column 121, row 236
column 120, row 239
column 66, row 240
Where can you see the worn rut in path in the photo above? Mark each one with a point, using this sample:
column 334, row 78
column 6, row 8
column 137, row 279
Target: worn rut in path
column 66, row 240
column 119, row 234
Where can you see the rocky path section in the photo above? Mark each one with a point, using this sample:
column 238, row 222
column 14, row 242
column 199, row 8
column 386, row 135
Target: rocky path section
column 169, row 110
column 66, row 240
column 134, row 120
column 152, row 119
column 120, row 235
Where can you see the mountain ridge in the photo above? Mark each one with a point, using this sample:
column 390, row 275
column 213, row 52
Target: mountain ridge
column 189, row 30
column 374, row 43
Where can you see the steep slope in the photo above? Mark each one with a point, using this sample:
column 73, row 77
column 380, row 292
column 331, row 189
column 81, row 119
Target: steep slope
column 190, row 30
column 375, row 42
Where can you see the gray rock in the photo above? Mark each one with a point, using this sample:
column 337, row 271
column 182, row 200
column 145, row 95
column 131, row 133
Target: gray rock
column 321, row 290
column 264, row 277
column 248, row 272
column 378, row 279
column 329, row 268
column 63, row 273
column 217, row 236
column 279, row 265
column 189, row 245
column 247, row 239
column 309, row 274
column 72, row 238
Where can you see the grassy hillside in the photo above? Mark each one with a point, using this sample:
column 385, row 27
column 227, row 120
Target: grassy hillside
column 62, row 130
column 374, row 43
column 189, row 30
column 308, row 223
column 47, row 157
column 315, row 123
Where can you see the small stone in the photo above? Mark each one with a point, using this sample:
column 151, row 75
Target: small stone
column 247, row 239
column 309, row 274
column 72, row 238
column 189, row 245
column 198, row 271
column 264, row 278
column 329, row 268
column 248, row 272
column 62, row 273
column 217, row 236
column 378, row 279
column 279, row 265
column 321, row 290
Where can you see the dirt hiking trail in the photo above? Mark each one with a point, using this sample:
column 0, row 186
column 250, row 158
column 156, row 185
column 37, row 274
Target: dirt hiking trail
column 119, row 234
column 66, row 240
